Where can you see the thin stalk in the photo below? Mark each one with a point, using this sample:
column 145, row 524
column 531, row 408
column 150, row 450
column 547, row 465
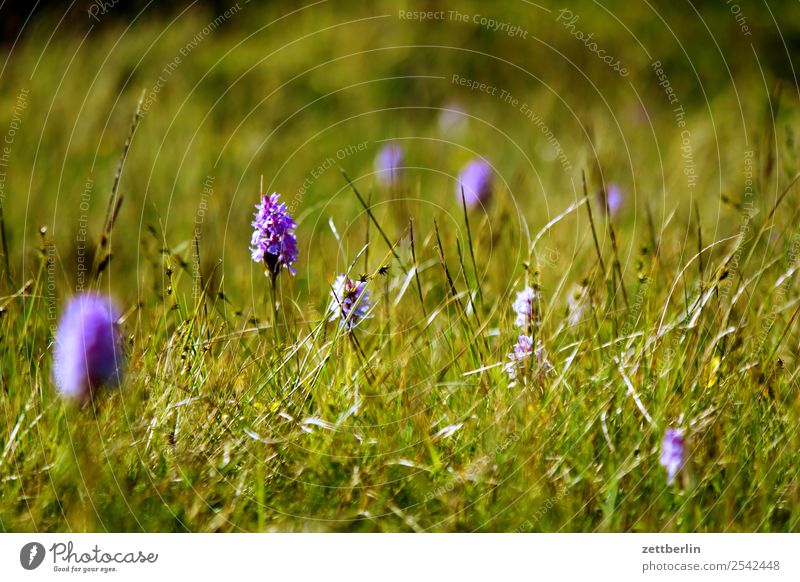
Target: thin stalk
column 273, row 280
column 471, row 252
column 416, row 268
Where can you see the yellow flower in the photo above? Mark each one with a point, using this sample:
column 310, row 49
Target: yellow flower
column 712, row 370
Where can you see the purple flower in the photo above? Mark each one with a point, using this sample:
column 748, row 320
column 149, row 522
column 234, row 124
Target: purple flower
column 273, row 240
column 525, row 308
column 88, row 346
column 476, row 181
column 614, row 199
column 388, row 164
column 672, row 452
column 350, row 301
column 520, row 359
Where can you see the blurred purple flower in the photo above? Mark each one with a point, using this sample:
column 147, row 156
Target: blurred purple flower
column 476, row 181
column 525, row 308
column 615, row 199
column 388, row 164
column 672, row 453
column 351, row 301
column 88, row 346
column 273, row 240
column 520, row 359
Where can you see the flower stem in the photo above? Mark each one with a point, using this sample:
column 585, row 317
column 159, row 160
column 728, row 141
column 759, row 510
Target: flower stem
column 274, row 297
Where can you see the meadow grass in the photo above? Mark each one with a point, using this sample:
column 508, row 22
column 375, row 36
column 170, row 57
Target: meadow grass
column 680, row 311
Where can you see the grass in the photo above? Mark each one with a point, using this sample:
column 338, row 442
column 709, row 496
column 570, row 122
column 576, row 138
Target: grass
column 226, row 422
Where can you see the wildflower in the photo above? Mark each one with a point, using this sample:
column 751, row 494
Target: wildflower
column 672, row 453
column 520, row 359
column 712, row 372
column 613, row 199
column 525, row 308
column 476, row 181
column 351, row 301
column 273, row 241
column 88, row 346
column 388, row 164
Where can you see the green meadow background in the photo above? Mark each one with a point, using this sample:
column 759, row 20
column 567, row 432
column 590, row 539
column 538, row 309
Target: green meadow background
column 228, row 422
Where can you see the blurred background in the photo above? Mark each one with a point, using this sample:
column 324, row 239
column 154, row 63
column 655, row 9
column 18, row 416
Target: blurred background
column 683, row 115
column 663, row 101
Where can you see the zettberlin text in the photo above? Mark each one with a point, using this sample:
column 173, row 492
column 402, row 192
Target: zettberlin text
column 685, row 549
